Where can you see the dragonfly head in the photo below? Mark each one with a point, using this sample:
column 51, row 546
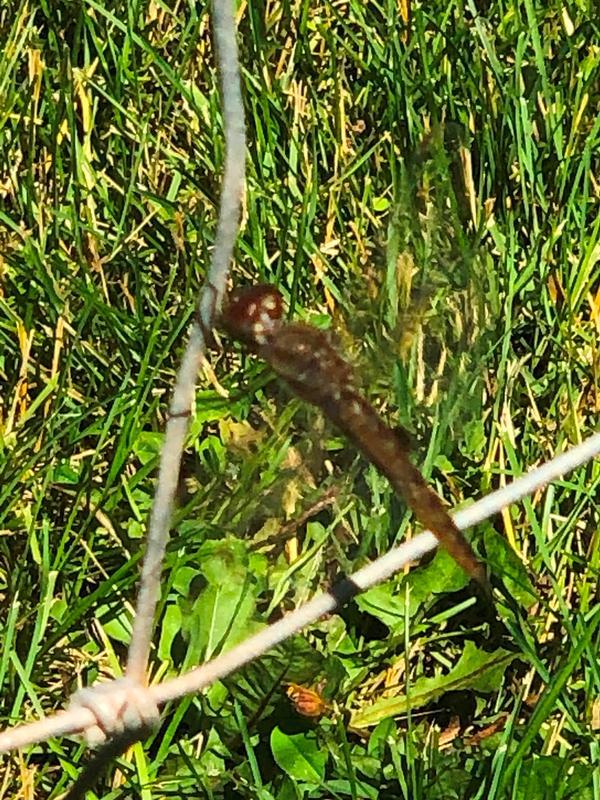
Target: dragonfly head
column 252, row 313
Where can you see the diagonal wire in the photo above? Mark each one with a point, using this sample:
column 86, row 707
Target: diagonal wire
column 80, row 718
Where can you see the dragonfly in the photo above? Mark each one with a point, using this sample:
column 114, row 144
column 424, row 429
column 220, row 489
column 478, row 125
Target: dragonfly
column 305, row 358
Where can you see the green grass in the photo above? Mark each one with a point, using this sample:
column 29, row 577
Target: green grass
column 434, row 200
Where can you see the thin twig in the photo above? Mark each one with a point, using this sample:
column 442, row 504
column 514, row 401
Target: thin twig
column 291, row 528
column 209, row 305
column 78, row 719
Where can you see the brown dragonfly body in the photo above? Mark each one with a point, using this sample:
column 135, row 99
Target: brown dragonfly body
column 305, row 358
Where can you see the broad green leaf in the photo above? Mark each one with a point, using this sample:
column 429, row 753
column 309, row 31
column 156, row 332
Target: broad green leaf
column 169, row 628
column 540, row 778
column 135, row 529
column 442, row 574
column 360, row 789
column 289, row 790
column 506, row 564
column 474, row 439
column 213, row 755
column 147, row 446
column 183, row 578
column 64, row 473
column 221, row 614
column 379, row 738
column 476, row 670
column 450, row 784
column 380, row 203
column 387, row 603
column 299, row 755
column 58, row 608
column 118, row 628
column 304, row 663
column 444, row 464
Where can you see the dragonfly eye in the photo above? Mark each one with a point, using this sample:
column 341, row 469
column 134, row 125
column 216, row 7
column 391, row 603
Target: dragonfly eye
column 253, row 313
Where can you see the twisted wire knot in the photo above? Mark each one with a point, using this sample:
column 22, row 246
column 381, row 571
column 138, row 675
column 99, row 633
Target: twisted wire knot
column 119, row 707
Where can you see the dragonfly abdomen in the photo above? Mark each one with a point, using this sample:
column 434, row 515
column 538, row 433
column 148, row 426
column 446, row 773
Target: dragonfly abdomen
column 305, row 358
